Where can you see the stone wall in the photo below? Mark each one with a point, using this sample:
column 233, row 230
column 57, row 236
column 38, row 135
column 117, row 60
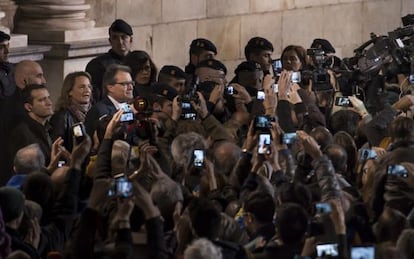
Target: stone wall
column 165, row 28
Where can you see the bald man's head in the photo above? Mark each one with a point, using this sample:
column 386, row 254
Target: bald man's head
column 28, row 72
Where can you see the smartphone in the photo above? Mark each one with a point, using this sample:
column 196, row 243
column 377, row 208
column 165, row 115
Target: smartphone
column 296, row 78
column 364, row 252
column 411, row 79
column 343, row 101
column 230, row 90
column 277, row 67
column 262, row 123
column 189, row 116
column 185, row 105
column 366, row 154
column 275, row 88
column 327, row 250
column 61, row 163
column 260, row 95
column 323, row 208
column 198, row 155
column 127, row 115
column 120, row 187
column 79, row 132
column 263, row 145
column 288, row 138
column 397, row 170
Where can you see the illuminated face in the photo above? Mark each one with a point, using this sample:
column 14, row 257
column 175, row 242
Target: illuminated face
column 81, row 92
column 122, row 89
column 120, row 43
column 143, row 76
column 291, row 61
column 264, row 58
column 41, row 107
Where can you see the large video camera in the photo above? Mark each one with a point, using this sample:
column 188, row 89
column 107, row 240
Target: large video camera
column 319, row 75
column 392, row 54
column 142, row 128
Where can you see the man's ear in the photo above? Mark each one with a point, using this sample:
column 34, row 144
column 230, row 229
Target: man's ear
column 28, row 107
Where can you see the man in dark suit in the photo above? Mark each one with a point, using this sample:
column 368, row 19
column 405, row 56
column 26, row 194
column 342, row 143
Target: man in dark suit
column 12, row 110
column 34, row 127
column 120, row 37
column 118, row 89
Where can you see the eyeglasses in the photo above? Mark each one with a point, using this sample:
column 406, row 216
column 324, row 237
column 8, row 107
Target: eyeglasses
column 125, row 84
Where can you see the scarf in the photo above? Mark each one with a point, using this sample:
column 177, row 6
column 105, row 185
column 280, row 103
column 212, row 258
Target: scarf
column 79, row 110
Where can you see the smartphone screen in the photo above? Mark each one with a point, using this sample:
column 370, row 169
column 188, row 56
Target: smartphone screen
column 288, row 138
column 365, row 252
column 263, row 145
column 230, row 90
column 120, row 187
column 127, row 115
column 323, row 208
column 343, row 101
column 262, row 123
column 198, row 158
column 78, row 131
column 296, row 78
column 327, row 250
column 277, row 67
column 366, row 154
column 397, row 170
column 260, row 95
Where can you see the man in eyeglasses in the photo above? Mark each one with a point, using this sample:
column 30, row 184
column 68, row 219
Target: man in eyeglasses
column 117, row 90
column 120, row 38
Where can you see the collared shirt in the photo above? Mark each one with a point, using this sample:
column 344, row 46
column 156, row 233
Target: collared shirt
column 115, row 102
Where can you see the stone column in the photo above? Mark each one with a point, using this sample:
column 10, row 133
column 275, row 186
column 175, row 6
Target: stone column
column 34, row 16
column 9, row 9
column 64, row 26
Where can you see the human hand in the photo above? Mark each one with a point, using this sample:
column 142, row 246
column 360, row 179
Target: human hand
column 99, row 193
column 358, row 106
column 113, row 124
column 123, row 210
column 309, row 246
column 284, row 84
column 242, row 95
column 338, row 216
column 200, row 106
column 404, row 103
column 294, row 96
column 216, row 94
column 176, row 109
column 80, row 151
column 144, row 201
column 58, row 151
column 251, row 138
column 309, row 144
column 33, row 233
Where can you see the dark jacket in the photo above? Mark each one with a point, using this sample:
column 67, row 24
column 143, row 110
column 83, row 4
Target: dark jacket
column 394, row 191
column 29, row 132
column 61, row 123
column 96, row 68
column 11, row 113
column 105, row 106
column 17, row 243
column 59, row 222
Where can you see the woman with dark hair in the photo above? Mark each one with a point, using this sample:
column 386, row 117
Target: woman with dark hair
column 143, row 71
column 71, row 107
column 294, row 58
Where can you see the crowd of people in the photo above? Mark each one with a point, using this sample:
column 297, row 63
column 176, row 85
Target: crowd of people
column 281, row 161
